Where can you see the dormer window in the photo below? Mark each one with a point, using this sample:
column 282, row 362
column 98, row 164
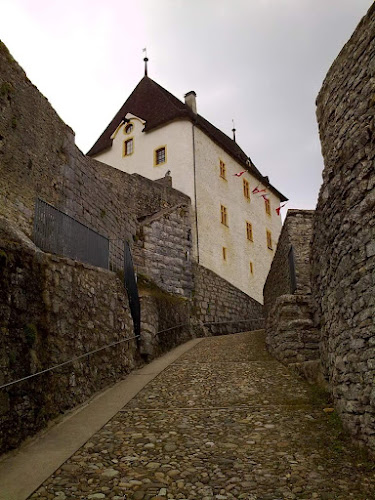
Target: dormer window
column 128, row 147
column 129, row 128
column 160, row 156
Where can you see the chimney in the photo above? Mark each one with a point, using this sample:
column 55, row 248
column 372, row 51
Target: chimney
column 191, row 101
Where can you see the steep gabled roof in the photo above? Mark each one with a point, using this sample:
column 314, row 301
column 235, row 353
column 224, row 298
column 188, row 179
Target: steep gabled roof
column 157, row 106
column 148, row 101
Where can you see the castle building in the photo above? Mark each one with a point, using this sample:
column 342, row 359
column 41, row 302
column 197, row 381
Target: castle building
column 235, row 229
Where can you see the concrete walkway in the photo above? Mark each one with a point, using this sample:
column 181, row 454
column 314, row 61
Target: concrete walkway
column 223, row 421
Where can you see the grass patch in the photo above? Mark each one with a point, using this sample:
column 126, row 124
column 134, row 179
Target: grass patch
column 319, row 396
column 364, row 461
column 337, row 434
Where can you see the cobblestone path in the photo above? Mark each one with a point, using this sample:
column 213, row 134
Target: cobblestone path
column 225, row 421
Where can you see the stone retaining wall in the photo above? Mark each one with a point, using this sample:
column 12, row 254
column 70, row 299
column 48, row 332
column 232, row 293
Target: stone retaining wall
column 163, row 249
column 296, row 232
column 221, row 306
column 54, row 309
column 291, row 336
column 165, row 323
column 290, row 333
column 343, row 246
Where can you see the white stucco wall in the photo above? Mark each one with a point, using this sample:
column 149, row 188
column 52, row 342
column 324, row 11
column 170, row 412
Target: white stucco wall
column 212, row 192
column 175, row 136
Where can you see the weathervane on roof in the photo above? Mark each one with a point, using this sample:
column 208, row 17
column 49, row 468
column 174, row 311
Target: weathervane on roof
column 234, row 131
column 145, row 59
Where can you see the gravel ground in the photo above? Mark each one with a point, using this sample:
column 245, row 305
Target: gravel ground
column 225, row 421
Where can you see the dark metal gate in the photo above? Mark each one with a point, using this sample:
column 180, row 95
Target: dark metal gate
column 132, row 289
column 58, row 233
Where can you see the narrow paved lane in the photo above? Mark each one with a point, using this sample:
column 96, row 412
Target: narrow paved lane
column 225, row 421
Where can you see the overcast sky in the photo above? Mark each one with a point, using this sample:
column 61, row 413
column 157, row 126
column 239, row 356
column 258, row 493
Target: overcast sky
column 261, row 62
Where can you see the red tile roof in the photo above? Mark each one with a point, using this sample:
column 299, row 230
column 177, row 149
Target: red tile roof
column 157, row 106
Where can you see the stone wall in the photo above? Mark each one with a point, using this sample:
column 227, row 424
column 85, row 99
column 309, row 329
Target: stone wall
column 291, row 336
column 297, row 233
column 343, row 246
column 52, row 310
column 221, row 307
column 38, row 157
column 163, row 249
column 290, row 333
column 165, row 322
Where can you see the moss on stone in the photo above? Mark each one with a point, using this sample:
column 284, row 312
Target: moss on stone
column 319, row 396
column 3, row 258
column 31, row 334
column 146, row 284
column 6, row 88
column 121, row 275
column 12, row 358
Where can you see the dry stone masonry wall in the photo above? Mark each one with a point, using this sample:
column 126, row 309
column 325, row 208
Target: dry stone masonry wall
column 166, row 322
column 221, row 307
column 51, row 310
column 163, row 249
column 296, row 233
column 290, row 332
column 343, row 246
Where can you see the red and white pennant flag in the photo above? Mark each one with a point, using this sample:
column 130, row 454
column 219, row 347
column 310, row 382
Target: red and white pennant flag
column 279, row 208
column 257, row 190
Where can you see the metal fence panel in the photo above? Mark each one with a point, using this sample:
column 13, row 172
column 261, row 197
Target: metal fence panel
column 58, row 233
